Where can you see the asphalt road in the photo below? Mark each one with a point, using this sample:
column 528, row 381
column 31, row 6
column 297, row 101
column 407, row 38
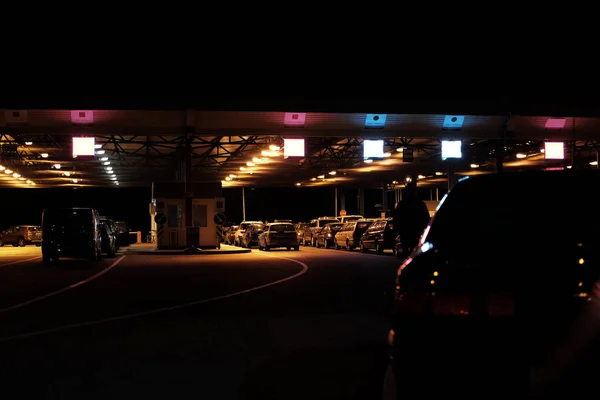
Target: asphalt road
column 263, row 325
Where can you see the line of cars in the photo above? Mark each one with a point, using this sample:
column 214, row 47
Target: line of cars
column 351, row 232
column 278, row 234
column 343, row 232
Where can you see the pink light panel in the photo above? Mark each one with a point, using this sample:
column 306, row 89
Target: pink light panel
column 294, row 120
column 555, row 123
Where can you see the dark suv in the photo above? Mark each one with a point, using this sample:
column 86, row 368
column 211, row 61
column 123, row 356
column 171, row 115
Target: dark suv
column 502, row 297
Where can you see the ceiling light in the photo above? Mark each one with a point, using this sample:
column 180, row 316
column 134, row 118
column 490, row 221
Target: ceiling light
column 106, row 163
column 368, row 160
column 421, row 177
column 242, row 168
column 57, row 166
column 256, row 160
column 28, row 181
column 67, row 173
column 400, row 149
column 321, row 176
column 250, row 164
column 387, row 154
column 75, row 181
column 104, row 159
column 521, row 155
column 266, row 153
column 474, row 165
column 100, row 152
column 593, row 162
column 8, row 171
column 2, row 167
column 394, row 182
column 439, row 173
column 44, row 155
column 332, row 173
column 274, row 147
column 97, row 146
column 22, row 179
column 298, row 184
column 227, row 178
column 28, row 143
column 15, row 175
column 313, row 179
column 113, row 178
column 232, row 176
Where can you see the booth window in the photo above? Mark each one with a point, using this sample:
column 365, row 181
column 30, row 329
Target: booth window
column 199, row 214
column 172, row 218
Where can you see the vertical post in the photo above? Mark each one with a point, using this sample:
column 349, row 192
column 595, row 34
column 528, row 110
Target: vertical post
column 384, row 200
column 437, row 194
column 361, row 202
column 335, row 210
column 243, row 204
column 188, row 182
column 430, row 193
column 342, row 200
column 501, row 145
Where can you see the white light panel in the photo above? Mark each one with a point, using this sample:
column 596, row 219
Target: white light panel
column 451, row 149
column 83, row 146
column 293, row 147
column 373, row 149
column 554, row 150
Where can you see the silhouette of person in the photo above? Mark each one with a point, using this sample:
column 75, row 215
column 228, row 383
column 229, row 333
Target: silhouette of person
column 411, row 216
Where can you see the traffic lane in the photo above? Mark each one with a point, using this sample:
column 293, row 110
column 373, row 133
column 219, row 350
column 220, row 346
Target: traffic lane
column 10, row 255
column 142, row 283
column 32, row 278
column 338, row 281
column 247, row 346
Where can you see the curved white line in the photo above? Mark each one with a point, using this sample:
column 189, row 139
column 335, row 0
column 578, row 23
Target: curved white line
column 73, row 286
column 160, row 310
column 20, row 261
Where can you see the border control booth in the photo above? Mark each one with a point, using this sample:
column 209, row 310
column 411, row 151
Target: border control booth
column 168, row 215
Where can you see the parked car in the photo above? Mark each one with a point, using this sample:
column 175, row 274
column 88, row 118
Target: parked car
column 71, row 232
column 21, row 235
column 278, row 235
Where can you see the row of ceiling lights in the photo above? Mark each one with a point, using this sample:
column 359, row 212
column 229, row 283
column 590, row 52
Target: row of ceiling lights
column 105, row 162
column 16, row 176
column 273, row 151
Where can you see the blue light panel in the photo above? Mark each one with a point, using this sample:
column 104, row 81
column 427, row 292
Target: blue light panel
column 375, row 120
column 453, row 122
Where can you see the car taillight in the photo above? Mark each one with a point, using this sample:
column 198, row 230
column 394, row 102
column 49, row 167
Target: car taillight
column 494, row 304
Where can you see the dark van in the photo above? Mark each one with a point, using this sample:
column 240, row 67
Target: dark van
column 71, row 232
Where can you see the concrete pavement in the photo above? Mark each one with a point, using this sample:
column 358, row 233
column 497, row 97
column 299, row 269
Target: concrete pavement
column 261, row 325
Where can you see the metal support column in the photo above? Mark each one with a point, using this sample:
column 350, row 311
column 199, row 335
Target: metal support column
column 335, row 210
column 243, row 204
column 361, row 201
column 384, row 202
column 450, row 176
column 188, row 182
column 501, row 145
column 342, row 200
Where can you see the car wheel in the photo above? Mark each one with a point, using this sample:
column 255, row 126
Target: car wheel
column 362, row 248
column 21, row 242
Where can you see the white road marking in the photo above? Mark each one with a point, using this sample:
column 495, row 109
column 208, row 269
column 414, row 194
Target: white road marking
column 73, row 286
column 20, row 261
column 162, row 309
